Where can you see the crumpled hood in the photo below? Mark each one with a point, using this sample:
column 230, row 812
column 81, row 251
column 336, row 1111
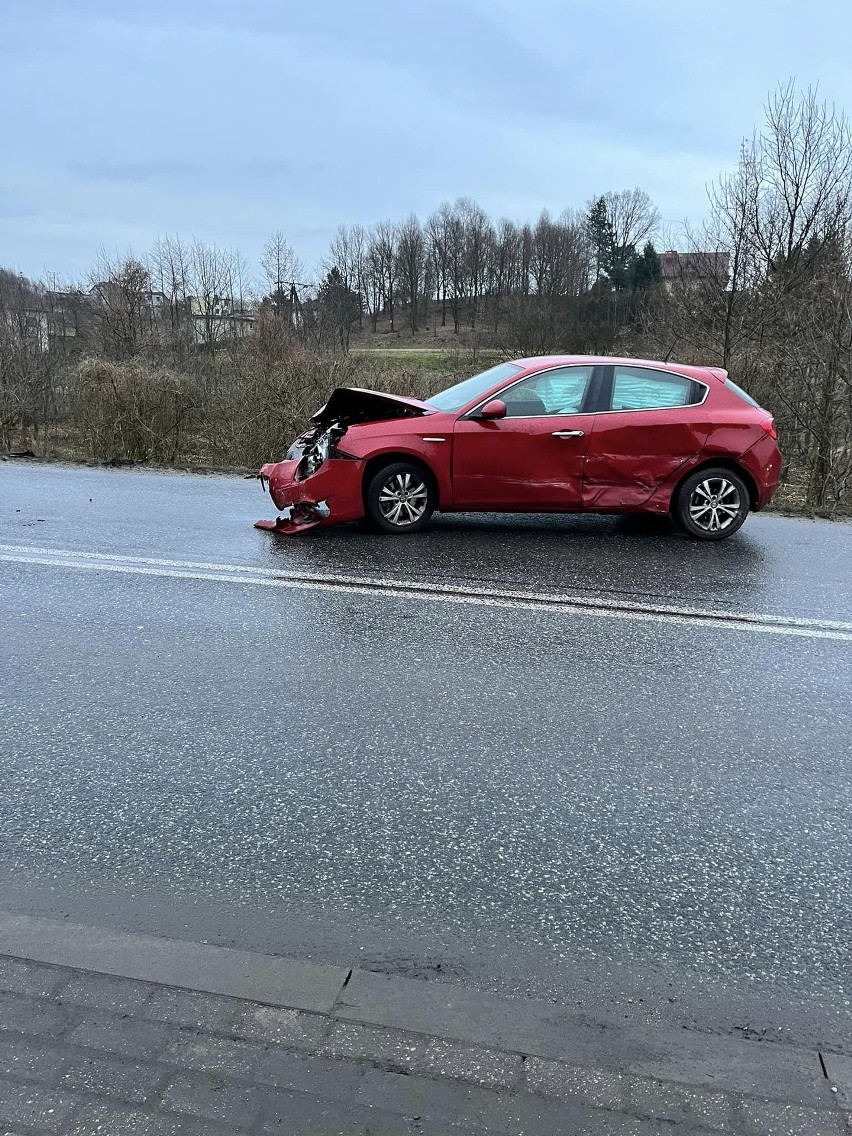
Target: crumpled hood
column 355, row 404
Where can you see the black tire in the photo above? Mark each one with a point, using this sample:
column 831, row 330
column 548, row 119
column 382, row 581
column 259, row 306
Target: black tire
column 711, row 504
column 400, row 498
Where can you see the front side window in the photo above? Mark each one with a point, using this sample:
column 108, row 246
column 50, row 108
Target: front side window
column 640, row 388
column 560, row 391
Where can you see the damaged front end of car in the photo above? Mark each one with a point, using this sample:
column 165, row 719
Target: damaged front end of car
column 318, row 483
column 314, row 474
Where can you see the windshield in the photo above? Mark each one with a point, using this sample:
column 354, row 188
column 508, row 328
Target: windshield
column 455, row 397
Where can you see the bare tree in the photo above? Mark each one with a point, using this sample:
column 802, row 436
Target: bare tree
column 438, row 239
column 25, row 375
column 123, row 304
column 559, row 262
column 477, row 237
column 281, row 268
column 411, row 254
column 457, row 267
column 777, row 311
column 170, row 274
column 382, row 260
column 633, row 216
column 348, row 254
column 504, row 265
column 218, row 285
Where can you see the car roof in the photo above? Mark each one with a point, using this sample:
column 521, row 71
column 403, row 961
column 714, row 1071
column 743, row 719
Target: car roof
column 536, row 362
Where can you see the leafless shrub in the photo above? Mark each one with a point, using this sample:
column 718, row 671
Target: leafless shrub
column 29, row 394
column 264, row 395
column 132, row 411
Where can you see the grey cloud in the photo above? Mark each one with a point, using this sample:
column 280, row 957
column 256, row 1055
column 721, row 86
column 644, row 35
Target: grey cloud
column 272, row 167
column 135, row 172
column 179, row 172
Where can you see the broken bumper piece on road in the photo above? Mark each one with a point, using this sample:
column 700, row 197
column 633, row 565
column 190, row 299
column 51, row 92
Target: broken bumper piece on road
column 298, row 518
column 330, row 496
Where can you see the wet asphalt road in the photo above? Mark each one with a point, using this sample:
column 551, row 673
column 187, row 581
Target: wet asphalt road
column 646, row 818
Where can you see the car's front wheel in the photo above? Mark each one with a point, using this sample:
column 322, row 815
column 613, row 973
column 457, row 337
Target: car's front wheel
column 400, row 498
column 711, row 504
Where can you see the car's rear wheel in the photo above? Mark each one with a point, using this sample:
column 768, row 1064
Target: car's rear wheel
column 711, row 504
column 401, row 498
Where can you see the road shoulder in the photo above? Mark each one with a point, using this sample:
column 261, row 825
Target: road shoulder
column 108, row 1032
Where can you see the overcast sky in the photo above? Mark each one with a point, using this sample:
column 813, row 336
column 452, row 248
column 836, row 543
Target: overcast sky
column 121, row 120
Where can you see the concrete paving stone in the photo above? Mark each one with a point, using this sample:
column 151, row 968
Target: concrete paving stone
column 264, row 1066
column 125, row 1036
column 104, row 992
column 321, row 1076
column 30, row 1060
column 770, row 1118
column 190, row 1008
column 600, row 1088
column 291, row 1028
column 19, row 1014
column 213, row 1098
column 18, row 976
column 468, row 1063
column 238, row 1059
column 839, row 1072
column 130, row 1081
column 503, row 1112
column 432, row 1056
column 684, row 1104
column 31, row 1106
column 299, row 1114
column 113, row 1120
column 231, row 1017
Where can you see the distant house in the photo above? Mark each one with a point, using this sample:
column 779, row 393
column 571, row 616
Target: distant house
column 47, row 319
column 123, row 294
column 218, row 319
column 63, row 314
column 691, row 269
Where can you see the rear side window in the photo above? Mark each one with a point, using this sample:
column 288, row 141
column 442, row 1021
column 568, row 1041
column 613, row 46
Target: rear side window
column 743, row 395
column 640, row 388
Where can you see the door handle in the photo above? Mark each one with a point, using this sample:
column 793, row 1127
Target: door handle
column 568, row 433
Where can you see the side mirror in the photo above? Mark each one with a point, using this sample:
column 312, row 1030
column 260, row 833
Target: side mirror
column 496, row 408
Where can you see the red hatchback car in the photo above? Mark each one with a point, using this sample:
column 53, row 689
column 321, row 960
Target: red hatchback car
column 560, row 434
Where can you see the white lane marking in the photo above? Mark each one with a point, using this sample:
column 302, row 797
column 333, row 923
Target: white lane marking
column 393, row 583
column 411, row 589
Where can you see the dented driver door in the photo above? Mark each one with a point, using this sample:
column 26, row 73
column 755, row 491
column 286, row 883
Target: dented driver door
column 533, row 458
column 651, row 425
column 520, row 463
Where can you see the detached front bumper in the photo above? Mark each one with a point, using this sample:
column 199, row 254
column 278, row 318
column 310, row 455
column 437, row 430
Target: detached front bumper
column 330, row 496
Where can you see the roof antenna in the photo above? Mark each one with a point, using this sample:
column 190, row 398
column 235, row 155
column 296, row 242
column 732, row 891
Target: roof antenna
column 669, row 352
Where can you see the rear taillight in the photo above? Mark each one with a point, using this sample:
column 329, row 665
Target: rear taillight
column 769, row 426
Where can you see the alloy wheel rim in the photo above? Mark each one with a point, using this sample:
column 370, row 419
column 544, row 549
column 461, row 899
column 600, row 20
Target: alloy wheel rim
column 403, row 499
column 715, row 504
